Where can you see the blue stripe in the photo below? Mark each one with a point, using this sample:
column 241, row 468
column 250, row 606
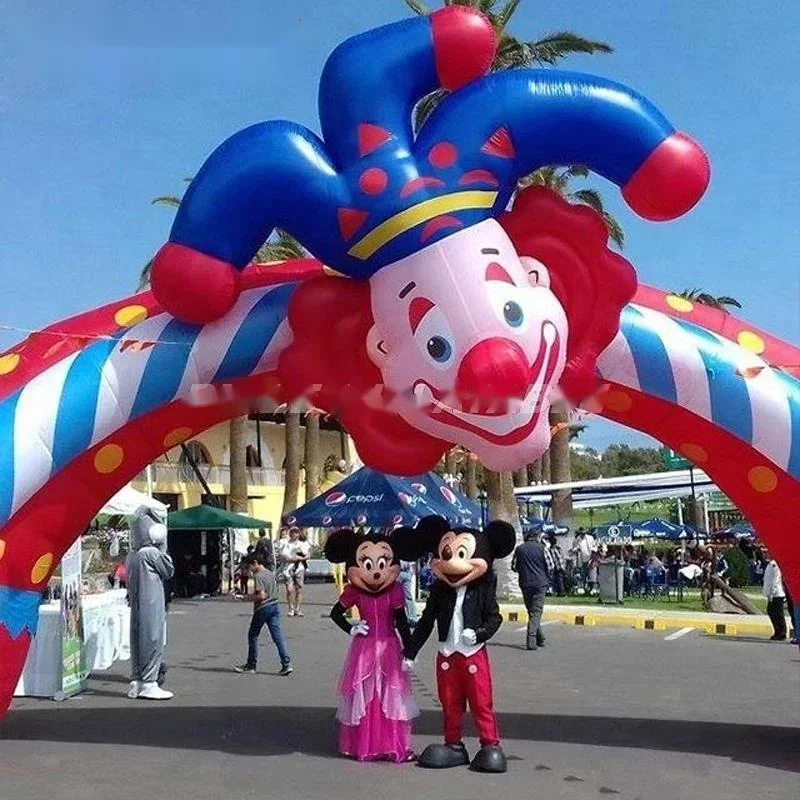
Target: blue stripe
column 78, row 403
column 653, row 367
column 255, row 333
column 791, row 387
column 164, row 371
column 7, row 411
column 730, row 398
column 19, row 610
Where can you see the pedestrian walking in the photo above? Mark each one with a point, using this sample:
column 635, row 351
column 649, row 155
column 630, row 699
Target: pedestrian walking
column 266, row 611
column 776, row 597
column 530, row 564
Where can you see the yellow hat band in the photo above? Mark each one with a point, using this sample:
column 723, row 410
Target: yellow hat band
column 422, row 212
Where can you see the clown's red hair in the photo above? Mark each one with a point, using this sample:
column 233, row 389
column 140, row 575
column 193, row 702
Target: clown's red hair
column 330, row 317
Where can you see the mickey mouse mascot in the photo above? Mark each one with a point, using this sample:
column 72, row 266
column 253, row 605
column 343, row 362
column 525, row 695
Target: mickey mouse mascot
column 463, row 603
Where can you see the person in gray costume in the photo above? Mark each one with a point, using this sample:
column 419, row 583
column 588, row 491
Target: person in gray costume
column 148, row 566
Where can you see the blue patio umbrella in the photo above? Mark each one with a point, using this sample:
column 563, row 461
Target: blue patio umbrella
column 658, row 528
column 373, row 499
column 739, row 530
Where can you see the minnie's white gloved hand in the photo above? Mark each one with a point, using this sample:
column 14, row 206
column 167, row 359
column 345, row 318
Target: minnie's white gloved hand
column 360, row 628
column 408, row 665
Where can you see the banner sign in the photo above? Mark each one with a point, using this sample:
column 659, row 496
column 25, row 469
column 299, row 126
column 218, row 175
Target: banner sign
column 73, row 669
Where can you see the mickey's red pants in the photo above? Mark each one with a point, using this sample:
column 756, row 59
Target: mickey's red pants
column 459, row 680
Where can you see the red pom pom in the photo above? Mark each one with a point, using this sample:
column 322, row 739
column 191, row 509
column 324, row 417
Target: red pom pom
column 671, row 180
column 192, row 286
column 464, row 42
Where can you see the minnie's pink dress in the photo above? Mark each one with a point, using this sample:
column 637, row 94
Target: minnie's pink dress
column 376, row 704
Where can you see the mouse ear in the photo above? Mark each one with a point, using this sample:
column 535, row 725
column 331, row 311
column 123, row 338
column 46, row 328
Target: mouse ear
column 341, row 545
column 502, row 538
column 413, row 543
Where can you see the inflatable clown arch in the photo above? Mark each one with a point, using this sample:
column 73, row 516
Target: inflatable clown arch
column 438, row 318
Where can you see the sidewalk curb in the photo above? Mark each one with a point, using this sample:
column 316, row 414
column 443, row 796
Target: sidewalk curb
column 640, row 619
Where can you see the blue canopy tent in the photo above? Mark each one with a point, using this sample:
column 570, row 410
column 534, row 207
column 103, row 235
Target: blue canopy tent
column 376, row 500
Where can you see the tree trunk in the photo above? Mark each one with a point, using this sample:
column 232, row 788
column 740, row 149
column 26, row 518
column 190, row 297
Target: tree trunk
column 237, row 491
column 535, row 472
column 293, row 458
column 521, row 476
column 560, row 471
column 312, row 455
column 471, row 481
column 502, row 505
column 546, row 466
column 450, row 463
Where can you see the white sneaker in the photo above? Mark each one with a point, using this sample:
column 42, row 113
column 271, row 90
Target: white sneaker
column 152, row 691
column 133, row 691
column 291, row 613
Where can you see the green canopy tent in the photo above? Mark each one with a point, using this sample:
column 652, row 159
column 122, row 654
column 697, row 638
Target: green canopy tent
column 211, row 519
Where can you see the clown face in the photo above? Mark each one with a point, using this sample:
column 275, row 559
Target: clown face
column 471, row 340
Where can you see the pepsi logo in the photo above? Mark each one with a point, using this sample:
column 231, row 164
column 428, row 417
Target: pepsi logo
column 397, row 519
column 335, row 499
column 361, row 519
column 420, row 487
column 407, row 499
column 327, row 519
column 291, row 520
column 448, row 495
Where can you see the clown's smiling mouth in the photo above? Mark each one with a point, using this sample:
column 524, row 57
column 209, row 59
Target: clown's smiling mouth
column 499, row 422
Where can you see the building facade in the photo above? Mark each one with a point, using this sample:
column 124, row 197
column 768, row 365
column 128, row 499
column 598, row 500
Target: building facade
column 174, row 481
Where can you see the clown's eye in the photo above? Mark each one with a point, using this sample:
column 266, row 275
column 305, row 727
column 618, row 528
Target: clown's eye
column 513, row 314
column 368, row 564
column 381, row 564
column 435, row 339
column 439, row 349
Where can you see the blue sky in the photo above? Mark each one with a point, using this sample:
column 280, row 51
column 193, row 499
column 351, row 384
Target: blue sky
column 105, row 104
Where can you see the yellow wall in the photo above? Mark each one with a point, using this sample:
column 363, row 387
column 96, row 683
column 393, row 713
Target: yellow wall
column 266, row 498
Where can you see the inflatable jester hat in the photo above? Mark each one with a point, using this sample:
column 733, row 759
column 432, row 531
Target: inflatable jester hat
column 468, row 333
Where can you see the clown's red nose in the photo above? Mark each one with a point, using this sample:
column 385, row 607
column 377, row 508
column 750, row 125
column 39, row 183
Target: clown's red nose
column 494, row 369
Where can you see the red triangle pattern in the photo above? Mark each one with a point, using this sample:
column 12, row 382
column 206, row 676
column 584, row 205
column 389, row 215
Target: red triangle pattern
column 499, row 144
column 350, row 220
column 371, row 137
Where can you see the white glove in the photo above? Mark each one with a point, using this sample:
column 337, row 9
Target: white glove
column 469, row 637
column 408, row 665
column 360, row 628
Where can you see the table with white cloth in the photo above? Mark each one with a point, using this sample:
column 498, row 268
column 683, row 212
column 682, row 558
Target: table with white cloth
column 106, row 631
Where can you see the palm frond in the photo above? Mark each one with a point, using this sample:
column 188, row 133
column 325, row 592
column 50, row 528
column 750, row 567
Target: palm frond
column 615, row 231
column 578, row 171
column 504, row 16
column 426, row 107
column 144, row 276
column 589, row 197
column 281, row 246
column 418, row 8
column 166, row 200
column 725, row 300
column 549, row 50
column 708, row 299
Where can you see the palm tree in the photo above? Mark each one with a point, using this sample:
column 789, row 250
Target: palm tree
column 311, row 458
column 723, row 303
column 291, row 465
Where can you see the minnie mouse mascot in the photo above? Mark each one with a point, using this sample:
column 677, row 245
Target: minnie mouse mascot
column 376, row 704
column 463, row 603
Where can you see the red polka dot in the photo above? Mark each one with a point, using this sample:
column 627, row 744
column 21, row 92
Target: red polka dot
column 373, row 181
column 443, row 155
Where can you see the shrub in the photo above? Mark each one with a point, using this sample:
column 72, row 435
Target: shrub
column 739, row 574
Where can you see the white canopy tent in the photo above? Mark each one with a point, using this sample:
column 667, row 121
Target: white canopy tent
column 127, row 501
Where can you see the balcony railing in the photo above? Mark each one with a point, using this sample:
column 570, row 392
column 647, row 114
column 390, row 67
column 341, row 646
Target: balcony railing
column 183, row 473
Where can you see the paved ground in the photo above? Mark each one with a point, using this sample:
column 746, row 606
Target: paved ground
column 599, row 712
